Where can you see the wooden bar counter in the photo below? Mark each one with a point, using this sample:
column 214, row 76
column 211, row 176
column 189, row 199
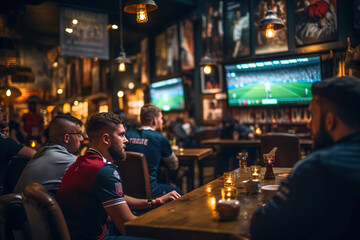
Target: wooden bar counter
column 193, row 216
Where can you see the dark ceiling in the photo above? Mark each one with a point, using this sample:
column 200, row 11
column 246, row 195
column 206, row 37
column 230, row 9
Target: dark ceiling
column 38, row 20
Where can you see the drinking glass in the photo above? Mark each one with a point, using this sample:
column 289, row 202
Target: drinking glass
column 229, row 179
column 255, row 172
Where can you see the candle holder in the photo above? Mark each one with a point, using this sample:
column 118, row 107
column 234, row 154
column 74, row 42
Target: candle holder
column 228, row 193
column 229, row 179
column 255, row 172
column 269, row 159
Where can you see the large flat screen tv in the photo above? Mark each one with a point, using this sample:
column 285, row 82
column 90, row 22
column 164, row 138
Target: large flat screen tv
column 168, row 94
column 282, row 81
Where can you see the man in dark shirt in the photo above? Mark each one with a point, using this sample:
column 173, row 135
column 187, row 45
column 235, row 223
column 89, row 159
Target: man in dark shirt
column 155, row 146
column 9, row 148
column 321, row 197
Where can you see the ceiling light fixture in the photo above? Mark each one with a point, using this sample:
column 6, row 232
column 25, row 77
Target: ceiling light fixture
column 270, row 23
column 207, row 62
column 122, row 60
column 141, row 8
column 9, row 92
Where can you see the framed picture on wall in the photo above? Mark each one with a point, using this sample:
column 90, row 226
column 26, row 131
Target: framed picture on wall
column 160, row 54
column 237, row 28
column 315, row 22
column 279, row 43
column 212, row 109
column 211, row 83
column 187, row 45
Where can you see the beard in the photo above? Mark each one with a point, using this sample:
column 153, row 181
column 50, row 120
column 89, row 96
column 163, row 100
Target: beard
column 322, row 138
column 116, row 153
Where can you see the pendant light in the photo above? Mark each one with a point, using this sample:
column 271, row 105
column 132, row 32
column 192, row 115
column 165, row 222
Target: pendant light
column 122, row 60
column 270, row 23
column 9, row 92
column 207, row 62
column 140, row 8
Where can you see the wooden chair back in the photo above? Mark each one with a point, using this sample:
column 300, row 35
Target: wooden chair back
column 44, row 214
column 13, row 222
column 288, row 152
column 134, row 174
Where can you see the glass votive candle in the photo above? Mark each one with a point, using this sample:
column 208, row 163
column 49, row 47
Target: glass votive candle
column 255, row 172
column 228, row 193
column 229, row 179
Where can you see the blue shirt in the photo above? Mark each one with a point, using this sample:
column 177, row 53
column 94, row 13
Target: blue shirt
column 153, row 145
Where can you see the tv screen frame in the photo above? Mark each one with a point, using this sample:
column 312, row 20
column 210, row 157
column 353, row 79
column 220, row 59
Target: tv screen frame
column 175, row 83
column 265, row 76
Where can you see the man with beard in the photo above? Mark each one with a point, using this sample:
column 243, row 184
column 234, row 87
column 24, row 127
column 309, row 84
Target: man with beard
column 91, row 189
column 321, row 197
column 9, row 148
column 49, row 164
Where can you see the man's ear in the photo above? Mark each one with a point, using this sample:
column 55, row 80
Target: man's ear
column 106, row 138
column 66, row 138
column 330, row 121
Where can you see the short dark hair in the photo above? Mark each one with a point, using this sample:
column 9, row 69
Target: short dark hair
column 102, row 122
column 343, row 94
column 67, row 117
column 148, row 113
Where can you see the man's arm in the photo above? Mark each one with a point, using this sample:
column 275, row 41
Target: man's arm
column 172, row 161
column 26, row 152
column 135, row 203
column 120, row 214
column 295, row 209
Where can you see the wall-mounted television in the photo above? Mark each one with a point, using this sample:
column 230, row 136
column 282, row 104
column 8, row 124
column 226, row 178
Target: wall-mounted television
column 168, row 94
column 281, row 81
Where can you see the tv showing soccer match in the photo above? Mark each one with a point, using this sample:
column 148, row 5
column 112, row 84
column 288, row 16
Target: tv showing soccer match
column 282, row 81
column 168, row 94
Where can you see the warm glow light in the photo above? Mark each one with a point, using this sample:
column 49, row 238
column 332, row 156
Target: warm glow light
column 69, row 30
column 55, row 64
column 141, row 14
column 120, row 94
column 207, row 69
column 76, row 103
column 8, row 93
column 33, row 143
column 60, row 91
column 258, row 131
column 114, row 26
column 121, row 67
column 269, row 31
column 131, row 85
column 75, row 21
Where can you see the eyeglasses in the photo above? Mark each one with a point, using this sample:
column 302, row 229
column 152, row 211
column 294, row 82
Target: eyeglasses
column 78, row 133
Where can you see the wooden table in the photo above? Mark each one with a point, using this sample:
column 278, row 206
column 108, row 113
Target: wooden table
column 190, row 157
column 252, row 145
column 193, row 216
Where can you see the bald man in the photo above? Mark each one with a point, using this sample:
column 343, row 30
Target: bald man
column 48, row 166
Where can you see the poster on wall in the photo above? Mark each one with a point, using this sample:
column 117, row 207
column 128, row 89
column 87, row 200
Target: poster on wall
column 84, row 34
column 212, row 109
column 279, row 43
column 211, row 83
column 212, row 29
column 160, row 54
column 315, row 21
column 187, row 45
column 237, row 28
column 145, row 66
column 172, row 50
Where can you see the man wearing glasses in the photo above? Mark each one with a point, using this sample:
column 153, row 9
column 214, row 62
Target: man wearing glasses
column 48, row 166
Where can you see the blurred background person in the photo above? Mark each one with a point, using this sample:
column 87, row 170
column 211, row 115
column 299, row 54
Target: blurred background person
column 33, row 122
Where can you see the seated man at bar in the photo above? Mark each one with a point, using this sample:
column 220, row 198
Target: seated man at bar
column 9, row 148
column 321, row 197
column 49, row 164
column 155, row 146
column 91, row 189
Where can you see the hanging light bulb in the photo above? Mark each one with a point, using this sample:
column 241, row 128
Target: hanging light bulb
column 121, row 59
column 122, row 67
column 141, row 14
column 140, row 8
column 269, row 32
column 270, row 23
column 8, row 93
column 207, row 70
